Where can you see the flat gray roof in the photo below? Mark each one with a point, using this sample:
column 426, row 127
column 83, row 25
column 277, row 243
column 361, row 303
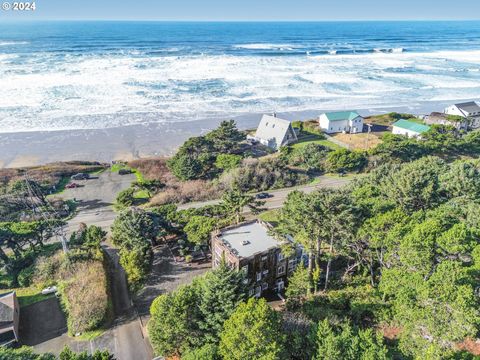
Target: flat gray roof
column 255, row 233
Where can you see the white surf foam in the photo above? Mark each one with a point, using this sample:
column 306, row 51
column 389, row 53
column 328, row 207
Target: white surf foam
column 93, row 91
column 8, row 43
column 266, row 46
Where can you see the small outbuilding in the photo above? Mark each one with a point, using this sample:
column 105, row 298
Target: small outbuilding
column 409, row 128
column 9, row 318
column 341, row 121
column 274, row 132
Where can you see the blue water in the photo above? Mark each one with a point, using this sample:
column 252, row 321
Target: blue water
column 70, row 75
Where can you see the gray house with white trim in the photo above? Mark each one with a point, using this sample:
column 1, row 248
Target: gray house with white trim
column 469, row 110
column 274, row 132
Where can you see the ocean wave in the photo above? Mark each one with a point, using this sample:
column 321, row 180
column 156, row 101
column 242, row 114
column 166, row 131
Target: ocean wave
column 114, row 89
column 288, row 47
column 10, row 43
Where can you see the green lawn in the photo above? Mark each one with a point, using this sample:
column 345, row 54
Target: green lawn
column 60, row 187
column 31, row 294
column 90, row 335
column 28, row 296
column 301, row 143
column 270, row 216
column 118, row 167
column 141, row 194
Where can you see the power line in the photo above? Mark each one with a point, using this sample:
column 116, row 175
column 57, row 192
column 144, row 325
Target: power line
column 45, row 210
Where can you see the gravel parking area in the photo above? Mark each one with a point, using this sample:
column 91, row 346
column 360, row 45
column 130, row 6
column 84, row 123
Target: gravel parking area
column 95, row 198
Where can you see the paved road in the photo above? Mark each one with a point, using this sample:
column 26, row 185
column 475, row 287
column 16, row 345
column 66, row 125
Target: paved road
column 279, row 196
column 125, row 339
column 95, row 206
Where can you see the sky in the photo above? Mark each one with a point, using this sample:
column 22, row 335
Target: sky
column 238, row 10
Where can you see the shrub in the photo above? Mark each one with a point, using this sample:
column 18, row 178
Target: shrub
column 136, row 263
column 199, row 228
column 185, row 167
column 193, row 190
column 126, row 198
column 346, row 160
column 25, row 276
column 263, row 174
column 85, row 297
column 228, row 161
column 311, row 156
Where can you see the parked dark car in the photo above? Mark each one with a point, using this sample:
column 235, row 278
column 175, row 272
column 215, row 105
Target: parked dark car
column 72, row 186
column 263, row 195
column 124, row 171
column 80, row 176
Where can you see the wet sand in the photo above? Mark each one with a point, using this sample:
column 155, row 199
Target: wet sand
column 138, row 141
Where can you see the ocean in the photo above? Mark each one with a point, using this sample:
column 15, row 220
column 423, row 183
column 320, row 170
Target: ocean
column 95, row 75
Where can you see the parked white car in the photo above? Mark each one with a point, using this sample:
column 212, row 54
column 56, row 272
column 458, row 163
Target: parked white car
column 49, row 290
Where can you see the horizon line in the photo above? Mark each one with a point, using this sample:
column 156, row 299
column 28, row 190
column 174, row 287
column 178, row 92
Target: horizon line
column 243, row 20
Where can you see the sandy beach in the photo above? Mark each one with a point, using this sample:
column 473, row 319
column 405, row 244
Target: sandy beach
column 139, row 141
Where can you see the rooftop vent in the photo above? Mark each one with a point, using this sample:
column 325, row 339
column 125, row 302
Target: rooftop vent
column 245, row 242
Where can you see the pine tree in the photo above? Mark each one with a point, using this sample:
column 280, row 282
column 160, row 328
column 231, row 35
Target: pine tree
column 222, row 291
column 252, row 332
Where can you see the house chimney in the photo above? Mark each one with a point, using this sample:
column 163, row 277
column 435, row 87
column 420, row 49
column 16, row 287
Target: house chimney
column 274, row 114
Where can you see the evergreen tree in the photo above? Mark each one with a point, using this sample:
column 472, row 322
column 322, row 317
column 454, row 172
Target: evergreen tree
column 222, row 290
column 206, row 352
column 253, row 332
column 226, row 137
column 348, row 343
column 298, row 285
column 235, row 201
column 172, row 326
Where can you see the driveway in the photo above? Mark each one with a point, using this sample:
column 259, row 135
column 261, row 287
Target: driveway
column 165, row 277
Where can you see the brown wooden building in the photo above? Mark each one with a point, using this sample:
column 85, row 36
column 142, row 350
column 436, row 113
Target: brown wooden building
column 250, row 247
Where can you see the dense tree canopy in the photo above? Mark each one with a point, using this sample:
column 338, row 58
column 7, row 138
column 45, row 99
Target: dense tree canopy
column 252, row 332
column 198, row 156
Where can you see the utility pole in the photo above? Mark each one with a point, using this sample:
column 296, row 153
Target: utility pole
column 368, row 134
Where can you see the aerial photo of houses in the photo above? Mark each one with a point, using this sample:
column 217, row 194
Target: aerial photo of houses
column 209, row 181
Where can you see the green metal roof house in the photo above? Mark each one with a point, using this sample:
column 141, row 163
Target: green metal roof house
column 409, row 128
column 341, row 121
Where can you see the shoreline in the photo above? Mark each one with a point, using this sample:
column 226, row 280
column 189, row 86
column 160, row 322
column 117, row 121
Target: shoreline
column 131, row 142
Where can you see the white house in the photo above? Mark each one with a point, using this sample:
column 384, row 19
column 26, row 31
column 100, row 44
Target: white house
column 275, row 132
column 409, row 128
column 341, row 121
column 469, row 110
